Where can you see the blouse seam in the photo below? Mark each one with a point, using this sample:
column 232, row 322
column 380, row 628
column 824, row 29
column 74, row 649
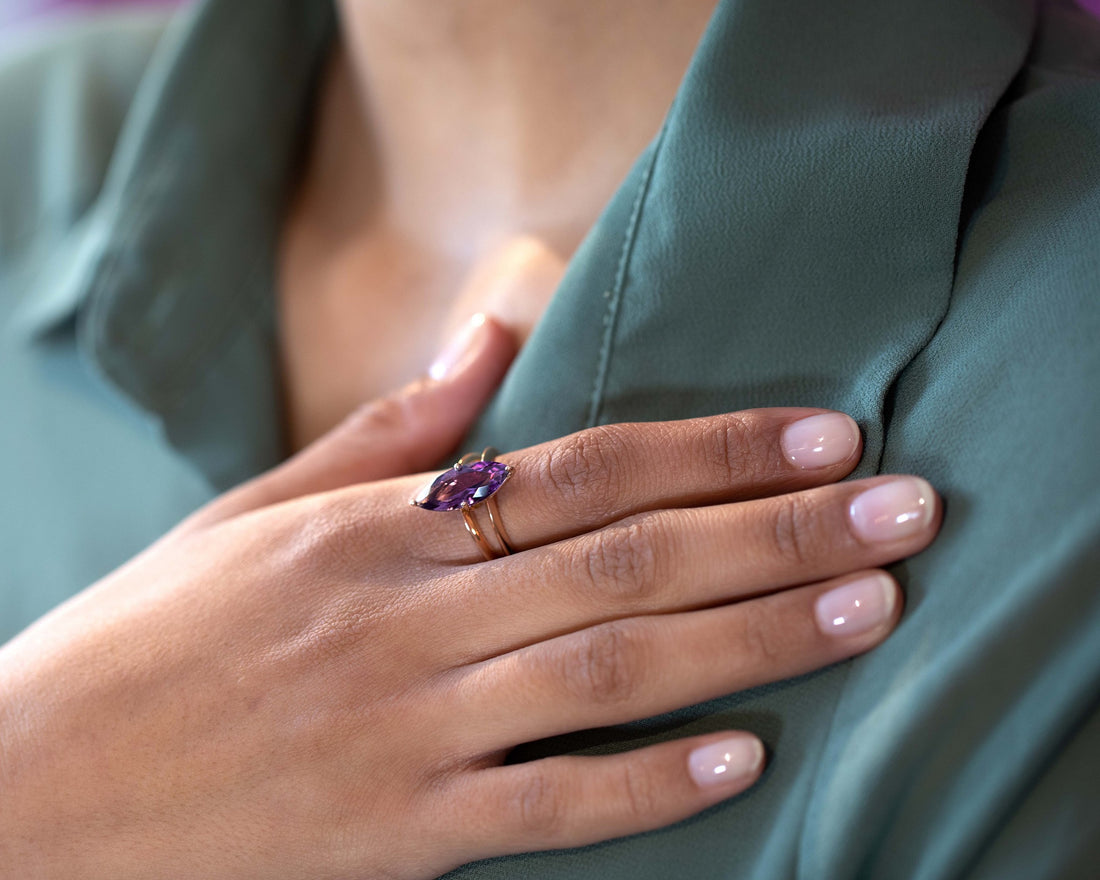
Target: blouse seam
column 615, row 294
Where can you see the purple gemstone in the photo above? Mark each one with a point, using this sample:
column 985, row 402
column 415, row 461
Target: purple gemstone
column 463, row 484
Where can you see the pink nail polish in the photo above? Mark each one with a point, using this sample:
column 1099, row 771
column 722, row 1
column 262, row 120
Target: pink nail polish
column 857, row 607
column 820, row 441
column 457, row 349
column 899, row 509
column 727, row 761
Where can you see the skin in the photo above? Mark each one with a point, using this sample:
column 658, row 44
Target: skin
column 406, row 220
column 309, row 677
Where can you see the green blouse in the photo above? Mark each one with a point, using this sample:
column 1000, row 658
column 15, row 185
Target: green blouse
column 885, row 207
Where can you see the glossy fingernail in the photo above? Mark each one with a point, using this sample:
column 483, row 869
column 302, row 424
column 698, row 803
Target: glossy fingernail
column 856, row 607
column 895, row 510
column 820, row 441
column 726, row 761
column 456, row 351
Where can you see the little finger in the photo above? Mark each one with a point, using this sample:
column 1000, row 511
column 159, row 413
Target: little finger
column 571, row 801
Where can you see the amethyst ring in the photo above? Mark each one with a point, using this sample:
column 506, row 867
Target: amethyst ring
column 472, row 481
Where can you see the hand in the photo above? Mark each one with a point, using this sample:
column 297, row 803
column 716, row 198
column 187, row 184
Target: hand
column 310, row 678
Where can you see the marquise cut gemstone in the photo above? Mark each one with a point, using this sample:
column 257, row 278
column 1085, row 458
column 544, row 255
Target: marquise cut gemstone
column 463, row 484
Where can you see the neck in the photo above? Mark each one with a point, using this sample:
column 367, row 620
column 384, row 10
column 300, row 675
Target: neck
column 492, row 117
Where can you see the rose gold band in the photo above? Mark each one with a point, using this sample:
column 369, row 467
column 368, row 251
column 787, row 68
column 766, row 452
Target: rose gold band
column 504, row 547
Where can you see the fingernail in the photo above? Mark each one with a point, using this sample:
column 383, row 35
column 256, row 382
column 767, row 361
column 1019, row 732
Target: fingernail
column 461, row 344
column 819, row 441
column 726, row 761
column 856, row 607
column 895, row 510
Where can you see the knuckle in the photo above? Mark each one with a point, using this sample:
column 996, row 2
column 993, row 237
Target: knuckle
column 623, row 561
column 586, row 468
column 741, row 448
column 541, row 805
column 794, row 536
column 336, row 631
column 328, row 538
column 382, row 416
column 641, row 798
column 729, row 449
column 761, row 641
column 604, row 663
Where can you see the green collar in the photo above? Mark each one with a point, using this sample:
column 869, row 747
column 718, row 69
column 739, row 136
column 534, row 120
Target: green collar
column 169, row 275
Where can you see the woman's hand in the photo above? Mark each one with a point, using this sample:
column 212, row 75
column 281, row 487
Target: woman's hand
column 310, row 678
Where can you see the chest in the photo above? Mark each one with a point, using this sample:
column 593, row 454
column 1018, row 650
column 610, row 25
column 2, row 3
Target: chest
column 361, row 319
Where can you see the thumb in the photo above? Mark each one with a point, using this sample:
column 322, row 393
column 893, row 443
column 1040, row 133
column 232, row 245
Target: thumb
column 413, row 429
column 408, row 431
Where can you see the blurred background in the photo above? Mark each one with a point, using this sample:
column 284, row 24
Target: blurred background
column 14, row 13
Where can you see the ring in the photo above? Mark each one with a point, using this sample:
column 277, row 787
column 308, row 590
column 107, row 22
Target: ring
column 472, row 481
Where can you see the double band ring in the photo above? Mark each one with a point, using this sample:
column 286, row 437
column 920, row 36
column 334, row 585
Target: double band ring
column 473, row 481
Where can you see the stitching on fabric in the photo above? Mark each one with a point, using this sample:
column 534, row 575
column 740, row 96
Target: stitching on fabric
column 614, row 295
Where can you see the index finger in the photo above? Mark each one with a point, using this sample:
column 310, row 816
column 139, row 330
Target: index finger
column 590, row 479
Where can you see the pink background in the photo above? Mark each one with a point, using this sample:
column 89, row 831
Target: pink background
column 10, row 9
column 15, row 11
